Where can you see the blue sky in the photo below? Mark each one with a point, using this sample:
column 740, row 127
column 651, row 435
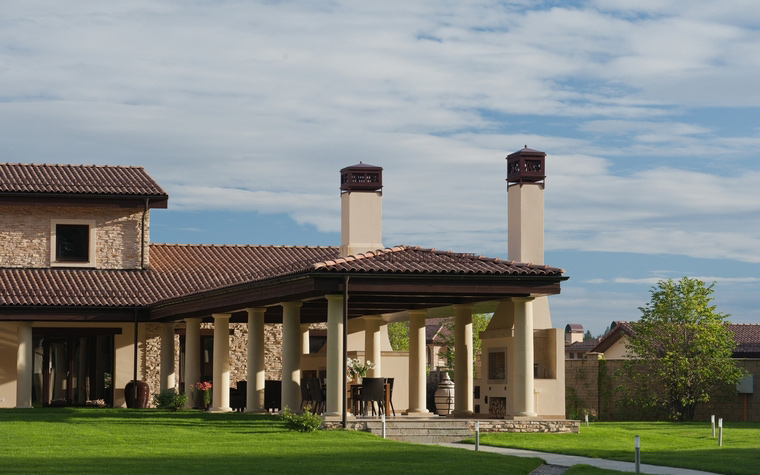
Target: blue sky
column 245, row 111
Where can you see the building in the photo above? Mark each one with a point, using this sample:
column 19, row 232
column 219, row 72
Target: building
column 88, row 304
column 575, row 345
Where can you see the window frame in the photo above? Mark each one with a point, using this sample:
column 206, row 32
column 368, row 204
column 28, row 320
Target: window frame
column 91, row 261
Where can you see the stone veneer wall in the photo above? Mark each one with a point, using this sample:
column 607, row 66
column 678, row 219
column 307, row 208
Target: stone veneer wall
column 238, row 352
column 25, row 234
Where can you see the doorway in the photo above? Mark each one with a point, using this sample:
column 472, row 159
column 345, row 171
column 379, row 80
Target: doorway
column 73, row 367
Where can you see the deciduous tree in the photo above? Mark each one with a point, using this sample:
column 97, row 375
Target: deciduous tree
column 680, row 350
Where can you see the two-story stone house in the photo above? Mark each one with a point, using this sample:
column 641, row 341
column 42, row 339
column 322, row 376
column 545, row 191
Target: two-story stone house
column 87, row 304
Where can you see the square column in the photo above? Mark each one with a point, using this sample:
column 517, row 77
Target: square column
column 192, row 358
column 168, row 374
column 463, row 378
column 221, row 383
column 417, row 380
column 291, row 355
column 336, row 366
column 523, row 356
column 24, row 366
column 372, row 348
column 256, row 370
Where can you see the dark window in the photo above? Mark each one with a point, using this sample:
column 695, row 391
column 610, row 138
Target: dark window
column 72, row 242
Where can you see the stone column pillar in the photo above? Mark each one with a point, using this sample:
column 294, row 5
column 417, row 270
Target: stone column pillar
column 336, row 366
column 192, row 358
column 168, row 374
column 417, row 382
column 221, row 383
column 463, row 378
column 305, row 347
column 372, row 348
column 24, row 368
column 291, row 356
column 523, row 356
column 256, row 368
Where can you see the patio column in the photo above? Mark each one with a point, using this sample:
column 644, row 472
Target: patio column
column 335, row 364
column 221, row 383
column 463, row 402
column 305, row 347
column 291, row 355
column 24, row 366
column 372, row 348
column 192, row 357
column 256, row 368
column 417, row 388
column 167, row 357
column 523, row 356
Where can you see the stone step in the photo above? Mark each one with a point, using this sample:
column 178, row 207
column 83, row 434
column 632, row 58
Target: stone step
column 427, row 432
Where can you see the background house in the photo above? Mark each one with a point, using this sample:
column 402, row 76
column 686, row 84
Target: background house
column 591, row 382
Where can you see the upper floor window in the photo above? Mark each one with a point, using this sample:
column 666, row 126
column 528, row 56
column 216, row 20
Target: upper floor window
column 72, row 243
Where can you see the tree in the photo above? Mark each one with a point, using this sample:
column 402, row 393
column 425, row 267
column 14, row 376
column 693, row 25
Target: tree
column 479, row 323
column 680, row 350
column 398, row 334
column 588, row 336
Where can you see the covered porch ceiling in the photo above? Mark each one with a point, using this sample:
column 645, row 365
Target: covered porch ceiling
column 388, row 295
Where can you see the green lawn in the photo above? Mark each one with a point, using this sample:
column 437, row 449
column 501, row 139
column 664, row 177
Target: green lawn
column 116, row 441
column 687, row 445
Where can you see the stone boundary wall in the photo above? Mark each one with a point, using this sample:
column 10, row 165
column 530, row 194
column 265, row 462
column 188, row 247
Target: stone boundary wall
column 591, row 388
column 486, row 425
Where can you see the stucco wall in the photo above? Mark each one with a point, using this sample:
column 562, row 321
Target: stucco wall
column 25, row 234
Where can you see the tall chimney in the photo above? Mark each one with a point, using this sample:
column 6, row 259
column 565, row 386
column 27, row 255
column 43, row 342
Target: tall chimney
column 526, row 176
column 525, row 195
column 361, row 219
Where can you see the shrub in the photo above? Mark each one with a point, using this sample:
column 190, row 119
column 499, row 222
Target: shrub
column 306, row 422
column 170, row 400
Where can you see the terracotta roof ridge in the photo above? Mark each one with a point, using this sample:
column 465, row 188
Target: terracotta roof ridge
column 356, row 257
column 72, row 165
column 239, row 246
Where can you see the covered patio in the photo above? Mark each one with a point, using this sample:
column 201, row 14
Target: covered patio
column 368, row 289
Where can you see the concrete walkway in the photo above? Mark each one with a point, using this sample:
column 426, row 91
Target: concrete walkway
column 570, row 460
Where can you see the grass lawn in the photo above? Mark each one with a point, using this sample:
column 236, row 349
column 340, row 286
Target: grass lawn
column 686, row 445
column 116, row 441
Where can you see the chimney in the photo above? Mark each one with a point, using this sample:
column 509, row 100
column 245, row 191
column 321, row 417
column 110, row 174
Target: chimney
column 525, row 195
column 361, row 218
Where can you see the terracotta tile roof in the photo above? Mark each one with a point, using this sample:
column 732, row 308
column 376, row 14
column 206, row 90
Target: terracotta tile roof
column 586, row 345
column 747, row 337
column 410, row 260
column 435, row 330
column 77, row 180
column 182, row 270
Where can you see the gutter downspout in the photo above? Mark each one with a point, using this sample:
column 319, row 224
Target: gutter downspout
column 345, row 349
column 142, row 235
column 134, row 361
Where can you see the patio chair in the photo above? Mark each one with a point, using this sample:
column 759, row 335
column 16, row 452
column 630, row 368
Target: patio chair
column 306, row 399
column 373, row 391
column 317, row 395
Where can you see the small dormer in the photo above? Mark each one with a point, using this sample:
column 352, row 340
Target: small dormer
column 526, row 166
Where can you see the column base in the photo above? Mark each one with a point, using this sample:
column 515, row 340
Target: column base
column 256, row 411
column 419, row 413
column 462, row 413
column 220, row 409
column 523, row 416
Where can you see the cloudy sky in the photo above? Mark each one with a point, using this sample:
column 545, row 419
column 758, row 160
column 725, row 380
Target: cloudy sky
column 245, row 111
